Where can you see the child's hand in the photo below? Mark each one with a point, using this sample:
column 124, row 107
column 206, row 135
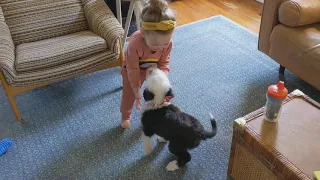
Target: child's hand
column 138, row 95
column 138, row 103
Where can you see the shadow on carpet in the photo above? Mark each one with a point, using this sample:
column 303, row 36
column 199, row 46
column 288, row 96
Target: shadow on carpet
column 71, row 129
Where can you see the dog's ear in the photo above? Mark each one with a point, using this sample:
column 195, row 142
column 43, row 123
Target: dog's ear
column 148, row 95
column 170, row 93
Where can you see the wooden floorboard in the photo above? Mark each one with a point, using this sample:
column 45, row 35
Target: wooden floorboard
column 244, row 12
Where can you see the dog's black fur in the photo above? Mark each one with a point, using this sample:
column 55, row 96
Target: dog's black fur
column 183, row 131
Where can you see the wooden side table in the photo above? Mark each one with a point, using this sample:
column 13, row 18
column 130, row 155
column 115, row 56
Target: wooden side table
column 136, row 7
column 288, row 149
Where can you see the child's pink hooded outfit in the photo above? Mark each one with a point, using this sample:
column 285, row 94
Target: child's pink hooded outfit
column 139, row 57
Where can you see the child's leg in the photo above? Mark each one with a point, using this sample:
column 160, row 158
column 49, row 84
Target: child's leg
column 127, row 101
column 128, row 98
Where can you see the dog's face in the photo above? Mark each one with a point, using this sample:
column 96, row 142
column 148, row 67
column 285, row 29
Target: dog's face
column 149, row 96
column 158, row 86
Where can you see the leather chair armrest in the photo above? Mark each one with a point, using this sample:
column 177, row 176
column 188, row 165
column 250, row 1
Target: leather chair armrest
column 296, row 13
column 268, row 21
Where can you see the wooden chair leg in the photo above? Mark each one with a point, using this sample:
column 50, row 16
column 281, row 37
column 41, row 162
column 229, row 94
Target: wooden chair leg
column 10, row 96
column 121, row 54
column 14, row 107
column 281, row 70
column 121, row 57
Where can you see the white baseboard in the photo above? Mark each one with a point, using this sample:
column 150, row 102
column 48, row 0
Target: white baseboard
column 260, row 1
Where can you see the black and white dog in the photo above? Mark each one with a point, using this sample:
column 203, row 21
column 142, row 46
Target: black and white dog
column 168, row 122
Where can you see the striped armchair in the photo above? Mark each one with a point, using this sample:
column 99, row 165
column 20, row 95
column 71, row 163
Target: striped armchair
column 45, row 41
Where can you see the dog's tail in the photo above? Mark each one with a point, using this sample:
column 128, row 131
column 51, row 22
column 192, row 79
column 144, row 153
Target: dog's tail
column 211, row 134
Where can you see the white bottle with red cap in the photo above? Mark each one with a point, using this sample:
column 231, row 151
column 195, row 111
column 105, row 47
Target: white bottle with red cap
column 275, row 96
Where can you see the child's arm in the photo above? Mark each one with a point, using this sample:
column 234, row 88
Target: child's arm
column 133, row 69
column 164, row 60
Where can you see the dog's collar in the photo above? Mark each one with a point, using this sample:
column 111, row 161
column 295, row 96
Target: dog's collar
column 151, row 106
column 166, row 102
column 167, row 99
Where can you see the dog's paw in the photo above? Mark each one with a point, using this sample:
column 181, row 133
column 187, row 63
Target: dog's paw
column 147, row 150
column 161, row 139
column 172, row 166
column 147, row 144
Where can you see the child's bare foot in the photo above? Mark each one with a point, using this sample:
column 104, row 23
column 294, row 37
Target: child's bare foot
column 125, row 124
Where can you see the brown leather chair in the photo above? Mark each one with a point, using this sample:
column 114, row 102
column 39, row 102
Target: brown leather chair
column 290, row 34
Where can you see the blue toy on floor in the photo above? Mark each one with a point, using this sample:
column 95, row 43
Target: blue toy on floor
column 5, row 144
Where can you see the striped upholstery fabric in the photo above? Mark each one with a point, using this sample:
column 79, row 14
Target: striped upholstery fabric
column 7, row 49
column 32, row 20
column 39, row 41
column 102, row 21
column 58, row 50
column 64, row 71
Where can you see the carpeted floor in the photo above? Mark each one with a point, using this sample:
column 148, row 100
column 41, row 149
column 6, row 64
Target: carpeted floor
column 70, row 129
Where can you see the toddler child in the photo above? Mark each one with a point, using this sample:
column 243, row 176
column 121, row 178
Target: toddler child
column 151, row 46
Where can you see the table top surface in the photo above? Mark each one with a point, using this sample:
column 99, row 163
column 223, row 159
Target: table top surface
column 296, row 135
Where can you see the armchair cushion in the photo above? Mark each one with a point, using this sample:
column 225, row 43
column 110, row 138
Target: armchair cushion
column 64, row 71
column 295, row 13
column 59, row 50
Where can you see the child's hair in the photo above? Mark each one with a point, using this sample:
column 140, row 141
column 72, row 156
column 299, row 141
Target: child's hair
column 157, row 11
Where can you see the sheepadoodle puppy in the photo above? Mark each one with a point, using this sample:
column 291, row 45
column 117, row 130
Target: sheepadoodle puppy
column 168, row 122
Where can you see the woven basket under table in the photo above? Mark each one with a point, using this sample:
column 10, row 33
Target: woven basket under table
column 288, row 149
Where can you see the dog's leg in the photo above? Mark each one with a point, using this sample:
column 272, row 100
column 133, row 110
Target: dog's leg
column 172, row 166
column 183, row 158
column 147, row 142
column 161, row 139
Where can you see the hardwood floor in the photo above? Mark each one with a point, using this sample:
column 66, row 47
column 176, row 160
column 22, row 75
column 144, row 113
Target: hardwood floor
column 244, row 12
